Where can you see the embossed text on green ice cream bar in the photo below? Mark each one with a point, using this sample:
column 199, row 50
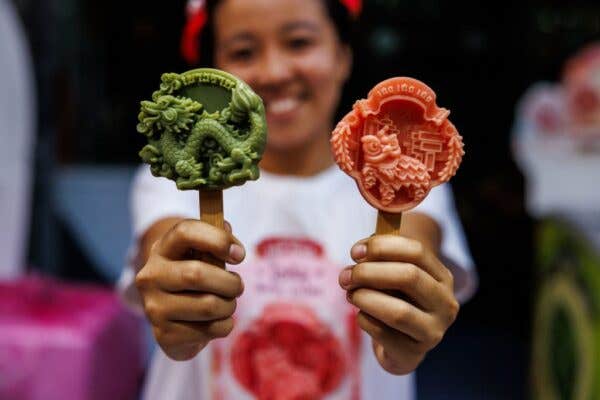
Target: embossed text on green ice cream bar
column 205, row 129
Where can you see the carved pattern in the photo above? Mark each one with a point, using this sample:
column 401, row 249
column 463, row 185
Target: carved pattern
column 386, row 166
column 456, row 153
column 200, row 149
column 343, row 145
column 407, row 144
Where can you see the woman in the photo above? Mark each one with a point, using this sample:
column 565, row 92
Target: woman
column 296, row 332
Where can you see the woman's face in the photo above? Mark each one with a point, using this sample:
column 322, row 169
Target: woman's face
column 288, row 51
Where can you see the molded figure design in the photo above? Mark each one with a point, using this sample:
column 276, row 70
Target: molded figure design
column 397, row 144
column 386, row 166
column 205, row 128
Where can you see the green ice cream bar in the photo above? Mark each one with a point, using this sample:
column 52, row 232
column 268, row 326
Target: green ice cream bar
column 206, row 129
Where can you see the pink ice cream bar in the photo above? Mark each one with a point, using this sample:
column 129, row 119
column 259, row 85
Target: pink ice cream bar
column 397, row 144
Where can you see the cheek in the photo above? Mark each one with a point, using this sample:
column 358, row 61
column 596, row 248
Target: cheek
column 322, row 75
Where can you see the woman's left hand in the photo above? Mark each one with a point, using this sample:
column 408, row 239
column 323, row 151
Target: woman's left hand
column 405, row 297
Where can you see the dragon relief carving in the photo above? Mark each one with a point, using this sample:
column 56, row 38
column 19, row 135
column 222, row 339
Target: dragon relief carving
column 196, row 148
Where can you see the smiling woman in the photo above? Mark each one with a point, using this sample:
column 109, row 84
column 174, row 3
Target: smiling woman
column 375, row 319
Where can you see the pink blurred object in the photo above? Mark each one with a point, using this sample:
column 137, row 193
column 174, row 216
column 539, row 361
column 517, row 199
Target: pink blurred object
column 64, row 341
column 582, row 82
column 544, row 106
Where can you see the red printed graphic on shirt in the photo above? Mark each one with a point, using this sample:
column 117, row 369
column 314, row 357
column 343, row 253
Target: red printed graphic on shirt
column 295, row 335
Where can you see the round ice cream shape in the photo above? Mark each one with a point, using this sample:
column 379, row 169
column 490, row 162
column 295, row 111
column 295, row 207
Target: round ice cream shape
column 205, row 128
column 397, row 144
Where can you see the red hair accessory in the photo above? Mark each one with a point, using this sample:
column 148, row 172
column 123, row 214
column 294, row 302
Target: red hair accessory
column 354, row 7
column 196, row 20
column 190, row 39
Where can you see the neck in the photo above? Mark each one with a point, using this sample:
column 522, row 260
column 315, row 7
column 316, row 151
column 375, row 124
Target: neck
column 307, row 160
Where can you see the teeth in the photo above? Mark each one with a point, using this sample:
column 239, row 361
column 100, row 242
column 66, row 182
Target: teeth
column 282, row 106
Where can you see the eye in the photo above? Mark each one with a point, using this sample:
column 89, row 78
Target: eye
column 241, row 54
column 300, row 43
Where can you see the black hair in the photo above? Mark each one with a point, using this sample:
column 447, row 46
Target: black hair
column 343, row 21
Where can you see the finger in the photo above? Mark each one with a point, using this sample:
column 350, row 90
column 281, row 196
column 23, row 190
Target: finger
column 394, row 312
column 401, row 353
column 177, row 276
column 227, row 227
column 399, row 248
column 359, row 250
column 195, row 307
column 197, row 235
column 185, row 337
column 213, row 329
column 412, row 281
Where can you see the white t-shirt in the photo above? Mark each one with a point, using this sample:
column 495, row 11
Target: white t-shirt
column 295, row 334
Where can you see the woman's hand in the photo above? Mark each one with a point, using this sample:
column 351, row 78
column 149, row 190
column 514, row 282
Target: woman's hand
column 405, row 296
column 188, row 301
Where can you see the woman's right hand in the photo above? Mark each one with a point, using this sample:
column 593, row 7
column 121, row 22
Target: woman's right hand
column 188, row 301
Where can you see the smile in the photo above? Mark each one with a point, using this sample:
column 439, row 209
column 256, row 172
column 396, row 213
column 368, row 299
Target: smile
column 282, row 108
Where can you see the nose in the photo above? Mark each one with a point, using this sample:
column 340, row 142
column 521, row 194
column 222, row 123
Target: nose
column 274, row 68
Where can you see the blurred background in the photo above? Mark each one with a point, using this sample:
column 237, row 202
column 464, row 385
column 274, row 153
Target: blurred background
column 81, row 68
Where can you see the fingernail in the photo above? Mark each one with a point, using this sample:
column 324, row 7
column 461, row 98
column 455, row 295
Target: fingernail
column 346, row 278
column 236, row 253
column 359, row 251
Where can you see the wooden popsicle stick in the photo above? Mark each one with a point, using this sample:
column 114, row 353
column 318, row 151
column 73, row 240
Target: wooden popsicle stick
column 211, row 212
column 388, row 223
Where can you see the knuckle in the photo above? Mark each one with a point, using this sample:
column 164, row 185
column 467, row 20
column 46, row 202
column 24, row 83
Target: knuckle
column 239, row 289
column 411, row 275
column 152, row 309
column 191, row 276
column 222, row 328
column 435, row 337
column 375, row 330
column 376, row 248
column 421, row 347
column 142, row 280
column 419, row 251
column 228, row 326
column 209, row 307
column 232, row 307
column 402, row 316
column 182, row 229
column 453, row 308
column 223, row 241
